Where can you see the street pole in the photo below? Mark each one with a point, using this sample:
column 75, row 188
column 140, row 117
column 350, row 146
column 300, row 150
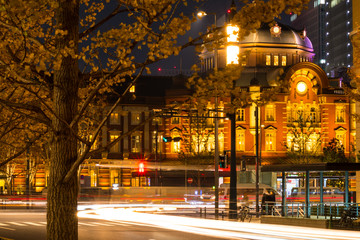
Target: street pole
column 156, row 152
column 257, row 158
column 233, row 178
column 27, row 178
column 216, row 160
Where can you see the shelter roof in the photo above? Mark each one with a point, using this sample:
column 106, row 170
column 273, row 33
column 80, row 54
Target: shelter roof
column 311, row 167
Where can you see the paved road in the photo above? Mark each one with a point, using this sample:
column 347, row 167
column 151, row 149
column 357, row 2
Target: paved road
column 22, row 225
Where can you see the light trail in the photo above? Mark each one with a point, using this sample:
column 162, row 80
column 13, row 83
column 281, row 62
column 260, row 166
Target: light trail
column 217, row 228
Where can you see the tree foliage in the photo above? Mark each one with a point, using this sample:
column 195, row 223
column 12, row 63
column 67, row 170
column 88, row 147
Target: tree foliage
column 304, row 146
column 57, row 55
column 334, row 152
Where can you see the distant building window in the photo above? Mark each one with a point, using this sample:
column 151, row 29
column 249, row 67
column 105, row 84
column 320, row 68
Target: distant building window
column 240, row 115
column 176, row 144
column 114, row 118
column 340, row 135
column 268, row 60
column 157, row 120
column 116, row 146
column 135, row 143
column 283, row 60
column 155, row 142
column 240, row 140
column 175, row 120
column 340, row 114
column 95, row 142
column 243, row 60
column 270, row 141
column 313, row 143
column 312, row 115
column 132, row 89
column 221, row 142
column 135, row 118
column 276, row 60
column 270, row 112
column 335, row 2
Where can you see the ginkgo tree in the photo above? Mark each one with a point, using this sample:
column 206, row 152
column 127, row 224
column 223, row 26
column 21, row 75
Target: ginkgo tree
column 56, row 56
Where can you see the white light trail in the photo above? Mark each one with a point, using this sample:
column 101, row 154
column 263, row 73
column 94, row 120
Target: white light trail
column 217, row 228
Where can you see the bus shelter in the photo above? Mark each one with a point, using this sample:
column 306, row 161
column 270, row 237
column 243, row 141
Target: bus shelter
column 314, row 167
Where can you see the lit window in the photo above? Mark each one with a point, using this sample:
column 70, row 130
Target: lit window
column 312, row 143
column 232, row 54
column 135, row 143
column 270, row 113
column 232, row 32
column 175, row 120
column 95, row 142
column 157, row 120
column 240, row 115
column 240, row 140
column 176, row 142
column 176, row 147
column 270, row 141
column 116, row 146
column 340, row 114
column 312, row 115
column 341, row 136
column 268, row 59
column 276, row 60
column 114, row 118
column 135, row 118
column 199, row 142
column 221, row 142
column 132, row 89
column 283, row 60
column 156, row 143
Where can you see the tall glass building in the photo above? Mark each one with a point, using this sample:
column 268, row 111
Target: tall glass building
column 328, row 24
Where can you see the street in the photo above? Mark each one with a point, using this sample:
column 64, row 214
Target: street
column 153, row 223
column 25, row 225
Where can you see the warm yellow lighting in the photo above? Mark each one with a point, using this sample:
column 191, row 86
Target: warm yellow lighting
column 201, row 14
column 232, row 32
column 268, row 60
column 232, row 55
column 276, row 29
column 276, row 60
column 301, row 87
column 132, row 89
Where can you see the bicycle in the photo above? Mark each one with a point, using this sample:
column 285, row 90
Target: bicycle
column 244, row 213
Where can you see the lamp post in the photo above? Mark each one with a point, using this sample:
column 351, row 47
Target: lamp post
column 216, row 134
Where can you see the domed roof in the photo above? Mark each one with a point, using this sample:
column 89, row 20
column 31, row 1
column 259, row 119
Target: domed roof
column 287, row 36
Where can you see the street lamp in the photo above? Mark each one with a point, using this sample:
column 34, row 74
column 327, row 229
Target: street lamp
column 201, row 14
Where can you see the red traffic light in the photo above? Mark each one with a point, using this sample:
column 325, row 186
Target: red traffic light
column 141, row 168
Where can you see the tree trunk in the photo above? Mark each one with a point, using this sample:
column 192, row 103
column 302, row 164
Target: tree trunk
column 62, row 196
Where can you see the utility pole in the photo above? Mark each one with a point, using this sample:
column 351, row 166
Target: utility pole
column 156, row 152
column 257, row 164
column 233, row 177
column 216, row 160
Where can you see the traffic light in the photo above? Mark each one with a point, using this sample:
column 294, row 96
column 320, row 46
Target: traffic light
column 222, row 161
column 170, row 139
column 141, row 167
column 167, row 139
column 243, row 165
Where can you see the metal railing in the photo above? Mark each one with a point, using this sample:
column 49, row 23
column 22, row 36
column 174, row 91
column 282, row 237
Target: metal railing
column 316, row 210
